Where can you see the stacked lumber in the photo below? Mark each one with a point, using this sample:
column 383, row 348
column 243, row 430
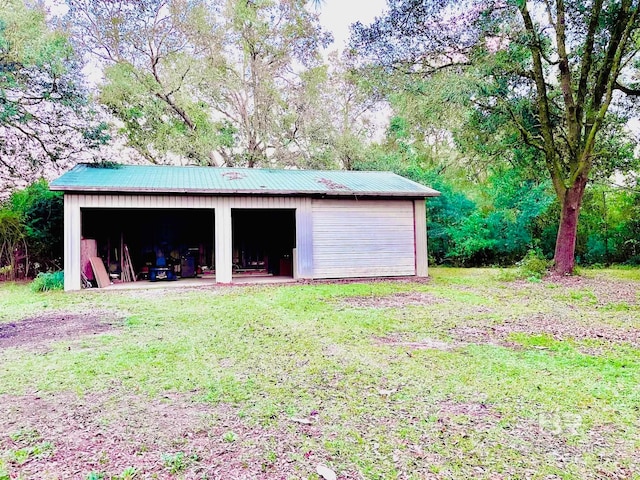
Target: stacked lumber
column 127, row 272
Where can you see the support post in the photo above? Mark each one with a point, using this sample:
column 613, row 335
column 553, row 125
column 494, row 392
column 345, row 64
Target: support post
column 72, row 234
column 303, row 256
column 223, row 244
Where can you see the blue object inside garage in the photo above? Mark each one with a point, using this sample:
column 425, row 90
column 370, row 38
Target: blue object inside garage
column 162, row 273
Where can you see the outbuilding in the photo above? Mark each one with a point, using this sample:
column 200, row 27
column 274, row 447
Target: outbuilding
column 231, row 222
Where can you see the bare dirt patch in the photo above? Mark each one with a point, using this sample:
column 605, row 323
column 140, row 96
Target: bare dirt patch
column 52, row 327
column 423, row 344
column 396, row 300
column 606, row 290
column 167, row 437
column 557, row 326
column 479, row 414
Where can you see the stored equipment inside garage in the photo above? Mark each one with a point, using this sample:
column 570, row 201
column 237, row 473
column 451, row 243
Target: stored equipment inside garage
column 174, row 242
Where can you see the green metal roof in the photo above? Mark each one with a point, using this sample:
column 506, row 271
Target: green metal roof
column 230, row 181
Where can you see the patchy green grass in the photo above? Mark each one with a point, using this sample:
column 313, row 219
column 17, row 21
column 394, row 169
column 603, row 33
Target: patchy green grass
column 619, row 272
column 463, row 376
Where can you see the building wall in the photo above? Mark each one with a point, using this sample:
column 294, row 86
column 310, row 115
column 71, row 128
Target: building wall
column 334, row 238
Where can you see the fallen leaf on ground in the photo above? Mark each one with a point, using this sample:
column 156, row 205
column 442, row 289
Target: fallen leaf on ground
column 325, row 472
column 303, row 421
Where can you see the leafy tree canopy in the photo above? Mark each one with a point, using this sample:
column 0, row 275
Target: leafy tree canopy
column 223, row 82
column 45, row 120
column 547, row 84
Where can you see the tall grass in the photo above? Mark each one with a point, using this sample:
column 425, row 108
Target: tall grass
column 45, row 282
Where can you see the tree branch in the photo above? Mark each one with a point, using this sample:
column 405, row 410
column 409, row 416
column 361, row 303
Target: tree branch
column 524, row 132
column 605, row 73
column 633, row 92
column 565, row 77
column 587, row 59
column 615, row 65
column 543, row 105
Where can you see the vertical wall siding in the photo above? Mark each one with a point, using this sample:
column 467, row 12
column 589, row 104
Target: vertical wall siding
column 303, row 257
column 223, row 241
column 363, row 238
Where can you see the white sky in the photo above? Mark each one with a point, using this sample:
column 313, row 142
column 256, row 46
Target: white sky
column 337, row 15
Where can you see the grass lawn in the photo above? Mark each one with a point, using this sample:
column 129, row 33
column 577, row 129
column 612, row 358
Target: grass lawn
column 461, row 376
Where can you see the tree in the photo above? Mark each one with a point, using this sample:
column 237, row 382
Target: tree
column 45, row 120
column 552, row 74
column 41, row 214
column 150, row 73
column 337, row 115
column 12, row 245
column 274, row 53
column 219, row 82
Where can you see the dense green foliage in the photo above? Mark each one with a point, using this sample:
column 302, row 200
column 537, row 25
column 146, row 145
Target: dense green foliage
column 31, row 223
column 42, row 215
column 493, row 223
column 11, row 243
column 610, row 226
column 495, row 214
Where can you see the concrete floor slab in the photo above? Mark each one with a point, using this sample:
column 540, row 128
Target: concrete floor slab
column 207, row 281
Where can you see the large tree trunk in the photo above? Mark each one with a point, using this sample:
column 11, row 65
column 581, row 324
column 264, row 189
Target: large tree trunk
column 568, row 230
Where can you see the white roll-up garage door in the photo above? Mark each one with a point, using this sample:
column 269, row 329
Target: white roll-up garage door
column 363, row 238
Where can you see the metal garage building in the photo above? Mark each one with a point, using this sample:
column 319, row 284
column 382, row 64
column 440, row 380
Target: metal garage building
column 300, row 223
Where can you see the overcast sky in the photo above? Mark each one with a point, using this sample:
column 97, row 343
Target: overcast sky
column 337, row 15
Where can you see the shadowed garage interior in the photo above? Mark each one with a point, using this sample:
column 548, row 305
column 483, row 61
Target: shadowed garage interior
column 183, row 239
column 180, row 238
column 263, row 241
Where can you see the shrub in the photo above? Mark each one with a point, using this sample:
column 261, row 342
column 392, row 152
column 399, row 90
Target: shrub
column 508, row 275
column 45, row 282
column 533, row 266
column 633, row 261
column 596, row 250
column 175, row 462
